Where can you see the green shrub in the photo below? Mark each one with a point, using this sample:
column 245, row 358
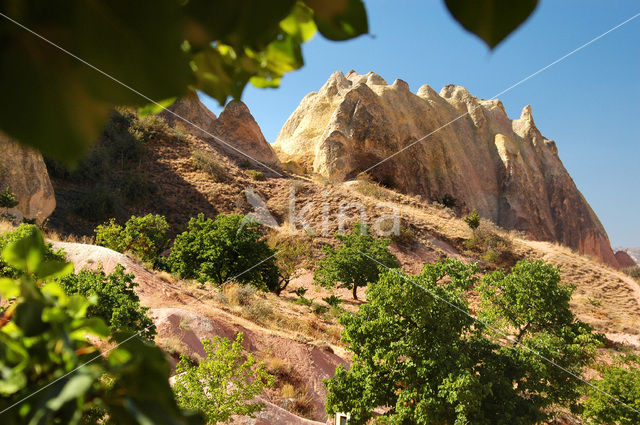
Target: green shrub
column 620, row 381
column 355, row 262
column 224, row 383
column 21, row 232
column 229, row 247
column 292, row 255
column 332, row 301
column 52, row 374
column 145, row 237
column 117, row 303
column 256, row 175
column 473, row 220
column 8, row 199
column 494, row 249
column 208, row 162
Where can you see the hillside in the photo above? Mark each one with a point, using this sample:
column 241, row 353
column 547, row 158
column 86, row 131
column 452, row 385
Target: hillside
column 185, row 174
column 450, row 147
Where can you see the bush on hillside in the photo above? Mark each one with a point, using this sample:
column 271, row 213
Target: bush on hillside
column 96, row 203
column 492, row 248
column 633, row 271
column 230, row 247
column 256, row 175
column 116, row 301
column 355, row 262
column 620, row 380
column 292, row 255
column 21, row 232
column 208, row 162
column 145, row 237
column 224, row 383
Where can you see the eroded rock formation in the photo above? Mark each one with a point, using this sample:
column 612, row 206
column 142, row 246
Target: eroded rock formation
column 23, row 171
column 235, row 132
column 465, row 148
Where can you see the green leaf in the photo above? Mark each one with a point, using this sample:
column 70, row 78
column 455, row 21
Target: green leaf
column 491, row 20
column 340, row 19
column 299, row 23
column 136, row 43
column 9, row 288
column 25, row 254
column 54, row 268
column 28, row 317
column 154, row 108
column 75, row 386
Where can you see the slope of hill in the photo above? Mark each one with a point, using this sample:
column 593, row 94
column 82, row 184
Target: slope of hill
column 298, row 345
column 459, row 148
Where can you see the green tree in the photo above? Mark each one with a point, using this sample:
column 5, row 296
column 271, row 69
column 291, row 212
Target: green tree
column 622, row 381
column 172, row 48
column 229, row 247
column 532, row 305
column 145, row 237
column 355, row 262
column 292, row 255
column 223, row 383
column 473, row 220
column 116, row 301
column 418, row 351
column 51, row 373
column 21, row 232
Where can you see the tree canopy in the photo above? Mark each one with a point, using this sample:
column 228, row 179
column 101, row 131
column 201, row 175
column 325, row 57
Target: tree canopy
column 421, row 356
column 355, row 262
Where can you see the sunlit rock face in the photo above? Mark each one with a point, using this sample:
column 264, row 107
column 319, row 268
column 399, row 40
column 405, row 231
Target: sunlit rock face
column 465, row 147
column 23, row 171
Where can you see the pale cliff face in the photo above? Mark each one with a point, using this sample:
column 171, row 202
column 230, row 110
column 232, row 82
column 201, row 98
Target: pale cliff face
column 24, row 172
column 505, row 168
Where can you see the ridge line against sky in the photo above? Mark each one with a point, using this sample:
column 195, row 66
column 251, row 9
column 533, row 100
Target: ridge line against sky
column 586, row 103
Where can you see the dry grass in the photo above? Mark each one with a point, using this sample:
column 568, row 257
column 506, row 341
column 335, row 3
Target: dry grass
column 210, row 164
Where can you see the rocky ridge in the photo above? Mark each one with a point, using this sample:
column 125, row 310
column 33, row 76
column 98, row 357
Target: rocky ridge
column 466, row 149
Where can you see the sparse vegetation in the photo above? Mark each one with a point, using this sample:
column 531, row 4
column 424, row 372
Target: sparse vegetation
column 8, row 199
column 256, row 175
column 229, row 247
column 492, row 248
column 634, row 272
column 96, row 203
column 223, row 383
column 209, row 163
column 146, row 237
column 116, row 301
column 355, row 262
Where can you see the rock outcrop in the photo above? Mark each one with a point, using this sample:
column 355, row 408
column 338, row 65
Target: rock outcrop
column 235, row 132
column 23, row 171
column 455, row 145
column 625, row 260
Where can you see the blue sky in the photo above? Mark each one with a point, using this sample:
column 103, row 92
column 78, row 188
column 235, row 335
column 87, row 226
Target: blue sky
column 589, row 103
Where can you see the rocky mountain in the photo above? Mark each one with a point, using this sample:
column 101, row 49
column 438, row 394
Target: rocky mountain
column 23, row 171
column 234, row 131
column 467, row 150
